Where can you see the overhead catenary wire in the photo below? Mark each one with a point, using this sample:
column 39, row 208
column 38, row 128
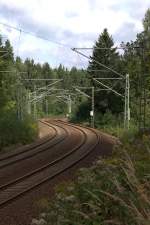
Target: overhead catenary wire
column 113, row 48
column 5, row 54
column 81, row 61
column 97, row 62
column 19, row 39
column 91, row 48
column 10, row 71
column 35, row 35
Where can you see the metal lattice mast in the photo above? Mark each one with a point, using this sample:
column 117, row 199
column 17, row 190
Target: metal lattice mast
column 127, row 103
column 46, row 105
column 29, row 103
column 34, row 104
column 93, row 116
column 18, row 103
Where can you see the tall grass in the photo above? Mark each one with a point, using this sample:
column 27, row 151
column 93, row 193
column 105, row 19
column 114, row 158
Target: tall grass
column 113, row 191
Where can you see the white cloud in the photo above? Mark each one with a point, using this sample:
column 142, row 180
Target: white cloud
column 76, row 23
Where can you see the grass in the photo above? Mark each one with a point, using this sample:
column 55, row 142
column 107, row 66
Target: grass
column 115, row 190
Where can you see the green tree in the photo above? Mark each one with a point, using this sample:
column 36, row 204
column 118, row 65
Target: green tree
column 136, row 60
column 46, row 72
column 7, row 79
column 105, row 53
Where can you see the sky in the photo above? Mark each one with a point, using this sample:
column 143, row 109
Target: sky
column 68, row 24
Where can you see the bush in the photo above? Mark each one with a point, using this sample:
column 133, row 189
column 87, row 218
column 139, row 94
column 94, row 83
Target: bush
column 114, row 125
column 113, row 191
column 82, row 113
column 13, row 131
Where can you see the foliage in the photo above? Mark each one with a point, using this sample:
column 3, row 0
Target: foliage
column 113, row 191
column 15, row 125
column 136, row 62
column 105, row 53
column 82, row 113
column 14, row 131
column 107, row 123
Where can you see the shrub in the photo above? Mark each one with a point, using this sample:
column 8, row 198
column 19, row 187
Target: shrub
column 13, row 131
column 113, row 191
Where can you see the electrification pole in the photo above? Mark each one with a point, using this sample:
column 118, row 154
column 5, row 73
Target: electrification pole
column 128, row 100
column 93, row 114
column 29, row 103
column 34, row 104
column 127, row 103
column 69, row 105
column 46, row 104
column 18, row 103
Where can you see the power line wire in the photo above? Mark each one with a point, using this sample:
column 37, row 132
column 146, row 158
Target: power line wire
column 97, row 62
column 35, row 35
column 19, row 39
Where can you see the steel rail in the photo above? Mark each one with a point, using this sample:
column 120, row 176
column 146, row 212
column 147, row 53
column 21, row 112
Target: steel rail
column 33, row 150
column 28, row 147
column 6, row 197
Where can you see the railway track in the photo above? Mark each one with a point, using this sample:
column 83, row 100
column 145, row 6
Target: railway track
column 44, row 157
column 10, row 191
column 27, row 147
column 35, row 149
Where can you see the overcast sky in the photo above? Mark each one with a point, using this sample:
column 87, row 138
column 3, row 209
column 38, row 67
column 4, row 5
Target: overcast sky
column 75, row 23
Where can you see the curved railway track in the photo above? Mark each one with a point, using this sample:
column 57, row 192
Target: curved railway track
column 35, row 149
column 27, row 148
column 47, row 153
column 10, row 191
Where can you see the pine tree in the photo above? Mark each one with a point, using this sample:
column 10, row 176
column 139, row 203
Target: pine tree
column 7, row 80
column 105, row 53
column 146, row 21
column 137, row 63
column 108, row 57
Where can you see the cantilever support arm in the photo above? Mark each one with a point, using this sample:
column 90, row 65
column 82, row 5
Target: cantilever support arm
column 83, row 93
column 108, row 88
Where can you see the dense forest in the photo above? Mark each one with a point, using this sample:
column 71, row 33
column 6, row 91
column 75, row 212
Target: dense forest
column 17, row 87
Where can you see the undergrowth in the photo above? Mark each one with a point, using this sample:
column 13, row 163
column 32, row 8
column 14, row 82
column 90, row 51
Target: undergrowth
column 114, row 191
column 14, row 131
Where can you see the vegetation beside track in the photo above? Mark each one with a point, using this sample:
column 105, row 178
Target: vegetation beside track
column 16, row 132
column 115, row 190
